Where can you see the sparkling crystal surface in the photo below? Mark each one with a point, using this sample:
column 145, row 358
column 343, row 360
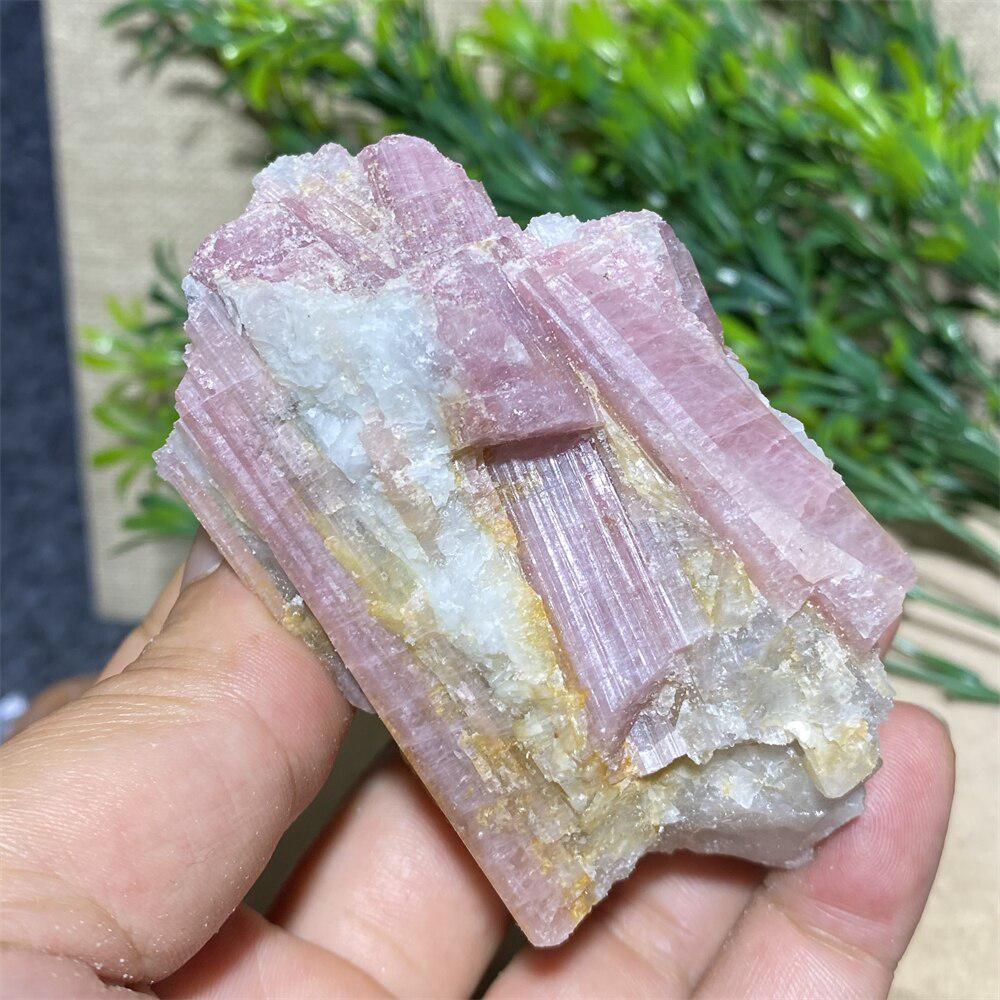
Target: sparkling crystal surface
column 514, row 490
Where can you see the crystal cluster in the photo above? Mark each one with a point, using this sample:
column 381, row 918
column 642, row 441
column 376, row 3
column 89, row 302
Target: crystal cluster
column 514, row 489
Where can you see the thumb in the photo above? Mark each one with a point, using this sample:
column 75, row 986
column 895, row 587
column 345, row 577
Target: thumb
column 135, row 818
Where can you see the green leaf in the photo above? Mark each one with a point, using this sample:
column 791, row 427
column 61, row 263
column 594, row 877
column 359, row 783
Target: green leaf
column 112, row 456
column 942, row 246
column 829, row 165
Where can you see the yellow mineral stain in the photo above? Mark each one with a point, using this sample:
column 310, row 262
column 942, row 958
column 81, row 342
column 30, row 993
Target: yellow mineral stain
column 581, row 897
column 839, row 763
column 299, row 622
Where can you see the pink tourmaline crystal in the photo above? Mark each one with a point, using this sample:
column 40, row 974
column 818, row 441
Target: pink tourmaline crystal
column 513, row 488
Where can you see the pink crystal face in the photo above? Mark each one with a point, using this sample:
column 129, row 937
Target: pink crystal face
column 514, row 490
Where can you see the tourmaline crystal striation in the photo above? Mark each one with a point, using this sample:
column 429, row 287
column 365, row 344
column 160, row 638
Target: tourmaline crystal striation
column 511, row 486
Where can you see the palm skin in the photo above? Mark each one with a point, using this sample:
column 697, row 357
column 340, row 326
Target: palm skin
column 136, row 817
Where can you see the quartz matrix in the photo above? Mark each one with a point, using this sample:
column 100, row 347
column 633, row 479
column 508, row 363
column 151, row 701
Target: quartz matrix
column 512, row 487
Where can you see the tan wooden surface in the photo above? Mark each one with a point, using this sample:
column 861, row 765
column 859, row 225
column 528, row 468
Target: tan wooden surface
column 139, row 161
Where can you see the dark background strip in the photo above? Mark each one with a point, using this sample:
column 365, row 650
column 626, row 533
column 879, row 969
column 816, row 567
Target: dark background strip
column 47, row 626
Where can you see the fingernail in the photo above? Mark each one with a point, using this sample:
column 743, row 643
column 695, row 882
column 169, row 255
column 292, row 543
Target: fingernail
column 204, row 558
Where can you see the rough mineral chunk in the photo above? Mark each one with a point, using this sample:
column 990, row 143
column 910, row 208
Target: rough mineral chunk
column 513, row 488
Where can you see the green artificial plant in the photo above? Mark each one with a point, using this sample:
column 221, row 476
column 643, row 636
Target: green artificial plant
column 828, row 164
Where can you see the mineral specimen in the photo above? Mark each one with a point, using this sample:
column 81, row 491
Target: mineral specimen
column 514, row 489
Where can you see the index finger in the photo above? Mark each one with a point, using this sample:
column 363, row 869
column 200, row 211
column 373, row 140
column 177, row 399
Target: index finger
column 135, row 818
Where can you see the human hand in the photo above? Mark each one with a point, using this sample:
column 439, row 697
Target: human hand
column 136, row 817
